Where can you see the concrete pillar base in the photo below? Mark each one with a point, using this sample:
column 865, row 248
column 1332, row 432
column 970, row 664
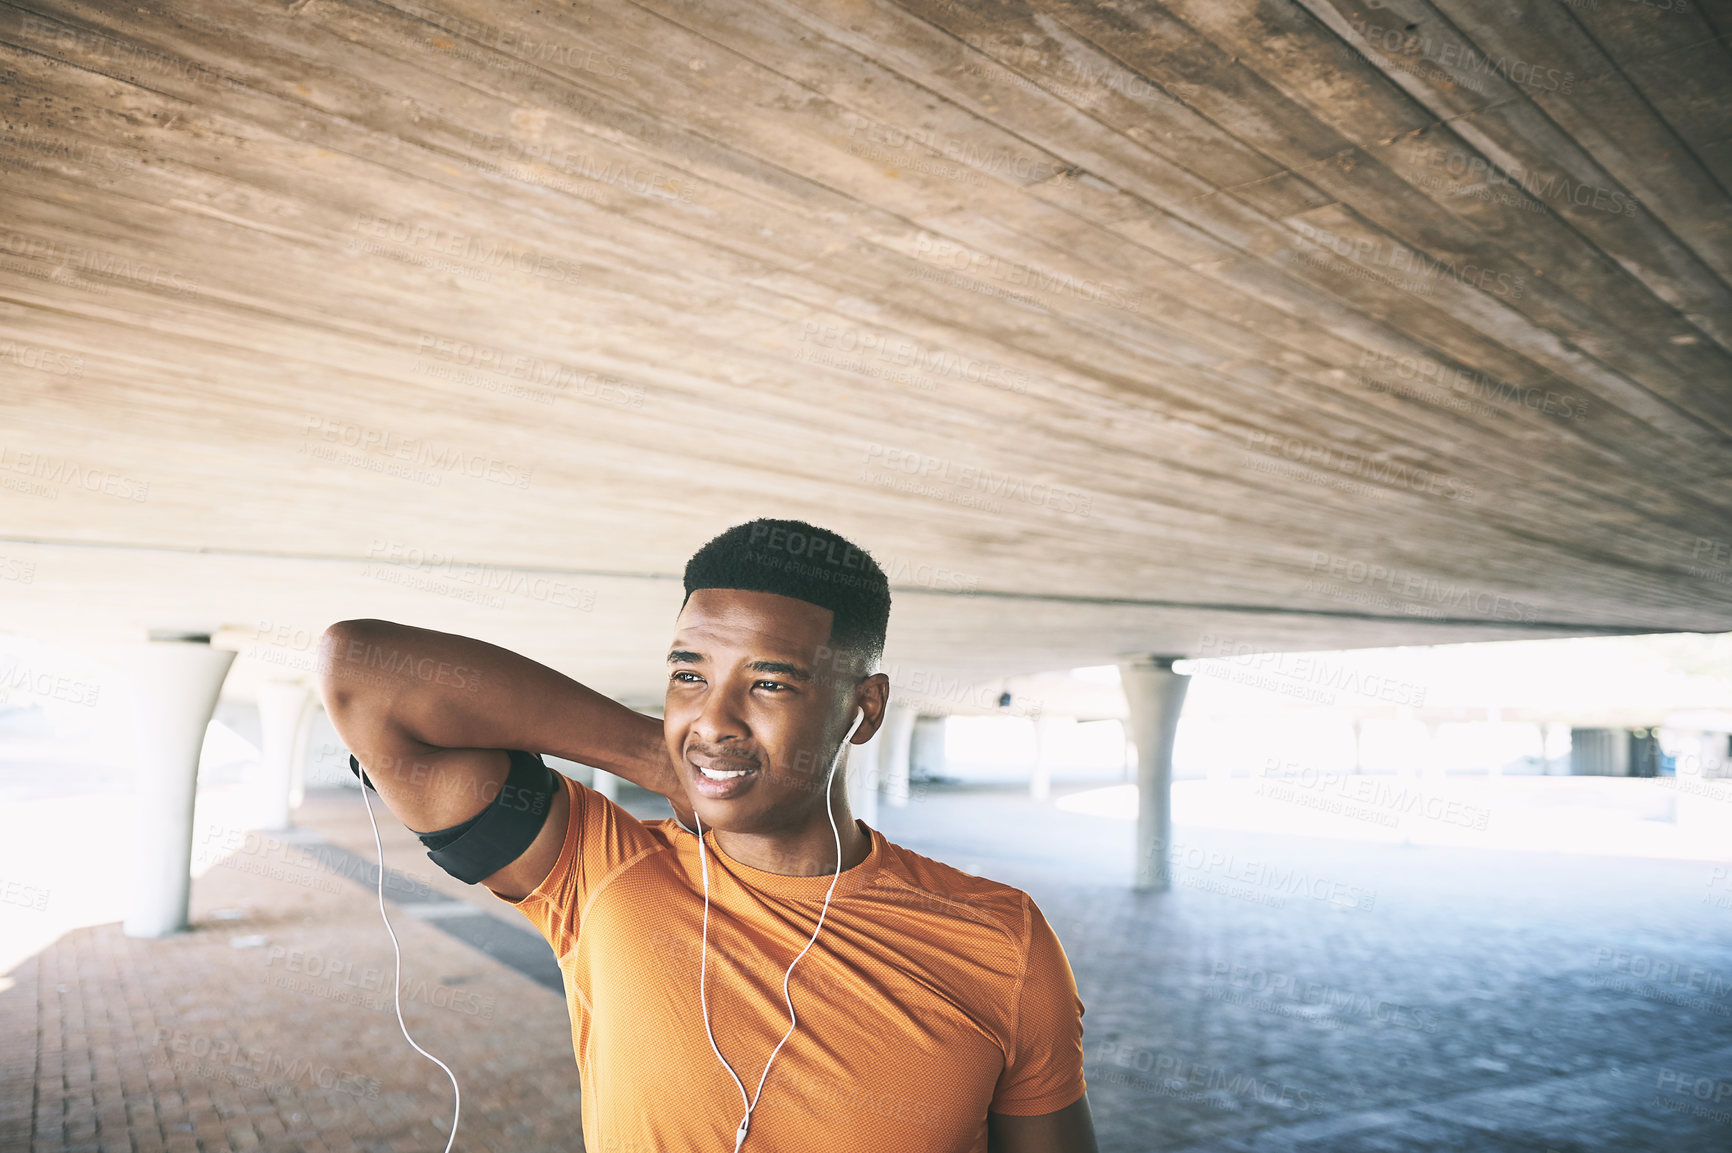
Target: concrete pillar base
column 174, row 686
column 284, row 709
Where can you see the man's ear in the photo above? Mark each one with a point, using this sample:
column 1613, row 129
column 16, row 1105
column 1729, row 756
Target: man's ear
column 872, row 696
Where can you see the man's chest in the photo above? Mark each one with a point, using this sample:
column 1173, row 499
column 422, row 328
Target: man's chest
column 889, row 1052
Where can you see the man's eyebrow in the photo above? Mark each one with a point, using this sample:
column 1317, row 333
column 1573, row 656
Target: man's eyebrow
column 685, row 657
column 780, row 668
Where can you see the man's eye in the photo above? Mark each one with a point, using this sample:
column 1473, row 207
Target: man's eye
column 682, row 674
column 778, row 685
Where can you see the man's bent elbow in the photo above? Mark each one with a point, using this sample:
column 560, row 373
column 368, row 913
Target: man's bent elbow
column 342, row 661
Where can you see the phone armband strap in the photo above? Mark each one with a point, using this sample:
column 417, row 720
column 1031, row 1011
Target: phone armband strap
column 498, row 834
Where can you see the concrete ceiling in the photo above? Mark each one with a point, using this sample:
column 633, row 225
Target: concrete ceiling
column 1110, row 328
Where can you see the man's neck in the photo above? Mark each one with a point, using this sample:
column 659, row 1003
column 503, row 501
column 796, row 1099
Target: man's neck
column 810, row 852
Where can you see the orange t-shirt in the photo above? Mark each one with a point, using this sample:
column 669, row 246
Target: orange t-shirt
column 930, row 998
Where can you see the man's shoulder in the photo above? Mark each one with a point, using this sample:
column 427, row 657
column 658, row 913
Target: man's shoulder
column 934, row 885
column 667, row 830
column 632, row 834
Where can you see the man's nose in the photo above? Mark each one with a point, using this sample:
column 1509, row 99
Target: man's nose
column 721, row 720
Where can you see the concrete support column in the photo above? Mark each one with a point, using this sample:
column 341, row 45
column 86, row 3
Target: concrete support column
column 1711, row 761
column 1555, row 737
column 926, row 746
column 303, row 745
column 284, row 707
column 606, row 784
column 1045, row 744
column 893, row 759
column 864, row 778
column 1155, row 695
column 174, row 686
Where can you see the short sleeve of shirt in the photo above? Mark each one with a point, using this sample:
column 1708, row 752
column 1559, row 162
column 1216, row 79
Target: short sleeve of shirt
column 1044, row 1070
column 600, row 838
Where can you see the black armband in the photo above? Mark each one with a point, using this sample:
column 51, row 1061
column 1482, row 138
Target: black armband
column 498, row 834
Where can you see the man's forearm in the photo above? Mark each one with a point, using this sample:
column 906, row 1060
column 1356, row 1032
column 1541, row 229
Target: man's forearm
column 454, row 692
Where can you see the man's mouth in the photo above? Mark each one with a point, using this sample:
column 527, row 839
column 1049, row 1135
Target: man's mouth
column 723, row 778
column 723, row 774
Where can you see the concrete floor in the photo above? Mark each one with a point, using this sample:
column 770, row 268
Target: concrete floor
column 1288, row 994
column 1298, row 994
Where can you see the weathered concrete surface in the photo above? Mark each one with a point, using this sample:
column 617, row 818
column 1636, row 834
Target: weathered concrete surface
column 1109, row 328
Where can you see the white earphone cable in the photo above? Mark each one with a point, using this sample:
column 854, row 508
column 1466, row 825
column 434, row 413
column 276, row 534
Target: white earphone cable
column 787, row 997
column 397, row 979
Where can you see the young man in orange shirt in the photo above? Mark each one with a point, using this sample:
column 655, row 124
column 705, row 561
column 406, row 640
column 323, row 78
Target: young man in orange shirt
column 936, row 1010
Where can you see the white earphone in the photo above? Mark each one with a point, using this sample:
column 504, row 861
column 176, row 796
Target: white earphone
column 703, row 956
column 397, row 979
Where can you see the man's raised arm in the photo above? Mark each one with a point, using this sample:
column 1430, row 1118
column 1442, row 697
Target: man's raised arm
column 430, row 716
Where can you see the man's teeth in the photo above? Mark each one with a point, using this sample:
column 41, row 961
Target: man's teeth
column 722, row 774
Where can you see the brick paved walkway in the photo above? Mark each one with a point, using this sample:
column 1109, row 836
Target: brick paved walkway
column 1288, row 995
column 270, row 1026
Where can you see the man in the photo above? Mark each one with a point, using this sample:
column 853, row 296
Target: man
column 935, row 1010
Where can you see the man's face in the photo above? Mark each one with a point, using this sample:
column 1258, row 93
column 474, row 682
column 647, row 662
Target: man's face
column 756, row 705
